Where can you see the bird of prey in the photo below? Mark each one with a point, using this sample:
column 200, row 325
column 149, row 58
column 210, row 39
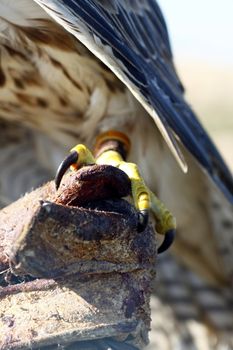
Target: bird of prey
column 76, row 70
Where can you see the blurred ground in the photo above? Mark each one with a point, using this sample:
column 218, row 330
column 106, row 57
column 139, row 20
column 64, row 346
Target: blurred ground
column 209, row 90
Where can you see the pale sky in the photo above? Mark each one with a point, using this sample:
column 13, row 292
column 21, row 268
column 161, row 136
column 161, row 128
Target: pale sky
column 200, row 29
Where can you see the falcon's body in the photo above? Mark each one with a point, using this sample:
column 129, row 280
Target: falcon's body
column 63, row 94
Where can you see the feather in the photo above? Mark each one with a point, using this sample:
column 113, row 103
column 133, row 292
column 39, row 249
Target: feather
column 131, row 38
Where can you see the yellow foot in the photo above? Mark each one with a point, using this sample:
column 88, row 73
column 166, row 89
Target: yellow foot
column 140, row 192
column 110, row 154
column 78, row 157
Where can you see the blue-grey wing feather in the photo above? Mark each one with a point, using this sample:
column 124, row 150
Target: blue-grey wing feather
column 137, row 33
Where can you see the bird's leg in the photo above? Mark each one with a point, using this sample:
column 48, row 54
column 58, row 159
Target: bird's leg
column 111, row 149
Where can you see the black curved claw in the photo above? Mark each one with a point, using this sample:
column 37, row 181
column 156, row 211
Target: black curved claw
column 167, row 242
column 63, row 167
column 143, row 217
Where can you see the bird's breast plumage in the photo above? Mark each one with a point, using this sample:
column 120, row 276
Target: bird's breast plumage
column 51, row 82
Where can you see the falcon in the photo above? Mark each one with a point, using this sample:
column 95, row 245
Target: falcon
column 99, row 74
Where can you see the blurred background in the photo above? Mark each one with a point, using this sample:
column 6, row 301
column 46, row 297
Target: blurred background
column 201, row 34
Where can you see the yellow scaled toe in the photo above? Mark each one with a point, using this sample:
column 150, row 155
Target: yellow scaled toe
column 165, row 221
column 85, row 157
column 140, row 193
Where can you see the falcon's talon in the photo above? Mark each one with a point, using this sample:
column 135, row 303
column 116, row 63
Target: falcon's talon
column 167, row 242
column 143, row 198
column 63, row 167
column 143, row 218
column 79, row 156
